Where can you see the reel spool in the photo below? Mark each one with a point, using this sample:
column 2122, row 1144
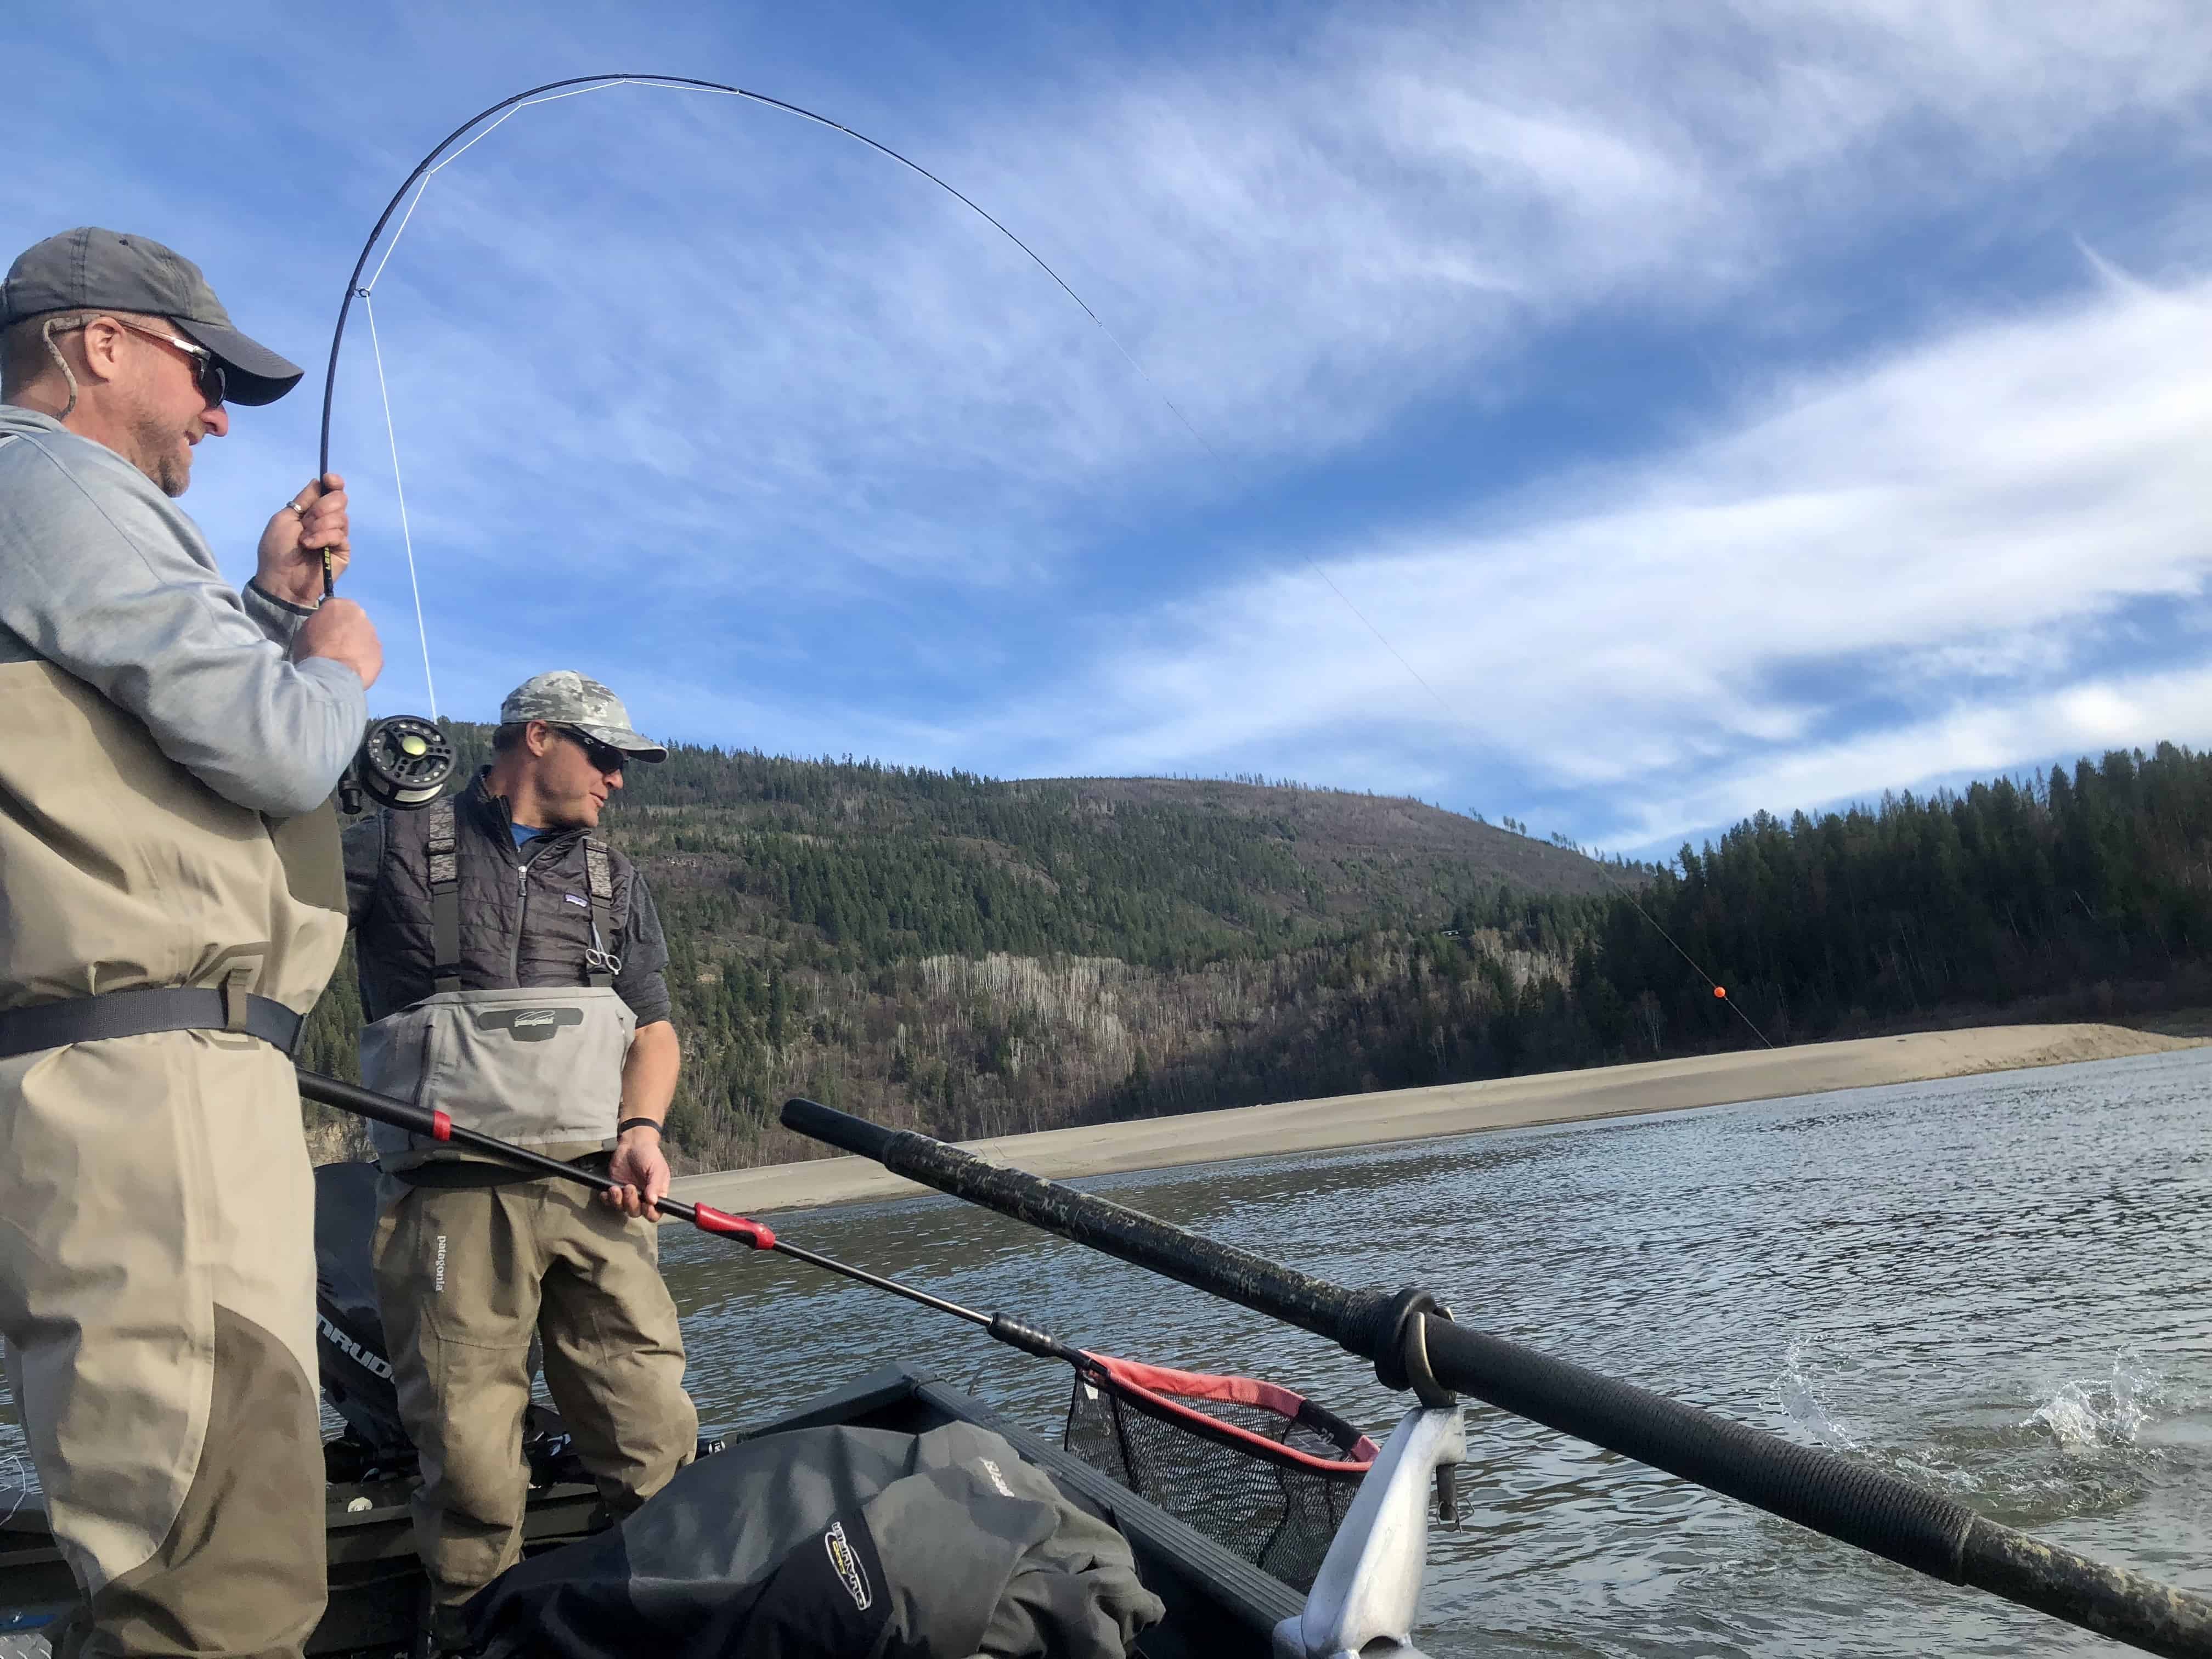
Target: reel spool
column 404, row 762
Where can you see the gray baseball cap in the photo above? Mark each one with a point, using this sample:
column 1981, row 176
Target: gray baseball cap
column 565, row 697
column 90, row 270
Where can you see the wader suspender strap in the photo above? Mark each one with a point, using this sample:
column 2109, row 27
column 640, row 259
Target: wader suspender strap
column 600, row 965
column 445, row 872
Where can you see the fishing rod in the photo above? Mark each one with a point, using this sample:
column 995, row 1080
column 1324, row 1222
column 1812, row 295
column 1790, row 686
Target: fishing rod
column 435, row 1125
column 495, row 114
column 383, row 756
column 1325, row 1449
column 1411, row 1345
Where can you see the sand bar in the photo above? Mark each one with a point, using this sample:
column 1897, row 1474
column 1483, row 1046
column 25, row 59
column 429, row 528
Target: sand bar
column 1452, row 1109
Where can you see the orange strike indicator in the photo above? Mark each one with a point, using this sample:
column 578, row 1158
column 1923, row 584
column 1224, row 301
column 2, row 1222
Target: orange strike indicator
column 1721, row 991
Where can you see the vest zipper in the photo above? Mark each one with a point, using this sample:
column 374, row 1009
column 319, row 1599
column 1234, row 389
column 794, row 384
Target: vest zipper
column 521, row 916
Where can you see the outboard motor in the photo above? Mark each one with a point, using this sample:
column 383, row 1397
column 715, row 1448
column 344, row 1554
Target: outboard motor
column 349, row 1346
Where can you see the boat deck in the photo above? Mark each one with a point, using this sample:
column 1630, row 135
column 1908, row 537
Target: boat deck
column 1218, row 1604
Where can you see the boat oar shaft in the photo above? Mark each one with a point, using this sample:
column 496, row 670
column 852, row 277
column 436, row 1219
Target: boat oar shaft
column 1846, row 1500
column 436, row 1126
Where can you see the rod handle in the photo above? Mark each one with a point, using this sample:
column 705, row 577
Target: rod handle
column 709, row 1219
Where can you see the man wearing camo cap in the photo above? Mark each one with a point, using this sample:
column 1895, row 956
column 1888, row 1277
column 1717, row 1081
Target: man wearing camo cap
column 511, row 976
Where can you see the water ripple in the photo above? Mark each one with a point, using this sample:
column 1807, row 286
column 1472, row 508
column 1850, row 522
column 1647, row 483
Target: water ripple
column 1999, row 1287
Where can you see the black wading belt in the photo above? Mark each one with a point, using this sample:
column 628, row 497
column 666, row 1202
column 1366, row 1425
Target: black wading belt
column 229, row 1008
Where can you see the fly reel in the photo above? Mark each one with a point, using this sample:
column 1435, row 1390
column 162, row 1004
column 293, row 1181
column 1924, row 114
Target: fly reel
column 404, row 762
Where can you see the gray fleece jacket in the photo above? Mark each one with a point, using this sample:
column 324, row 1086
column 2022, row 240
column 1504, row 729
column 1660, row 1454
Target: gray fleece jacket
column 102, row 575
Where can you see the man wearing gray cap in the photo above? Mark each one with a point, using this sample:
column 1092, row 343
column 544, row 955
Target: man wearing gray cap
column 170, row 907
column 511, row 976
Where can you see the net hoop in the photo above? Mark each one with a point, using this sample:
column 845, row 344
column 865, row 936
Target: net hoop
column 1158, row 1386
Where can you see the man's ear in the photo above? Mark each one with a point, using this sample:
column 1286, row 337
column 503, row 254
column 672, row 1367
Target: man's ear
column 101, row 341
column 538, row 737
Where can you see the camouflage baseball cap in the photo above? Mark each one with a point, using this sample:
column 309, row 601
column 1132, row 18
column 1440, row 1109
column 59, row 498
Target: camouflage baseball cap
column 565, row 697
column 91, row 270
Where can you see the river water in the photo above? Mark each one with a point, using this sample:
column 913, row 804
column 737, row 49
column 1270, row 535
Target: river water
column 1999, row 1286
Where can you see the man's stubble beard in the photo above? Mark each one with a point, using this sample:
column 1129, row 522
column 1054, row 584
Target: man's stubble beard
column 157, row 443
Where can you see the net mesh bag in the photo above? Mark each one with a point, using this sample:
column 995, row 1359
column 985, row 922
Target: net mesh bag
column 1261, row 1471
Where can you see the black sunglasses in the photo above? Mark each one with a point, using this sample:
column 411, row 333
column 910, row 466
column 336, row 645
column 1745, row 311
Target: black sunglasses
column 602, row 756
column 206, row 369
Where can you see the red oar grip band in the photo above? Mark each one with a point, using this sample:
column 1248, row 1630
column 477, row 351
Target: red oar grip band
column 709, row 1219
column 441, row 1126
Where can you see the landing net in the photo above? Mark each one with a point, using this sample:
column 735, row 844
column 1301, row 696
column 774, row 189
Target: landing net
column 1261, row 1470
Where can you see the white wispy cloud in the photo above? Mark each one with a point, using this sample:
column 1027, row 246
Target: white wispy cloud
column 759, row 331
column 1954, row 531
column 704, row 396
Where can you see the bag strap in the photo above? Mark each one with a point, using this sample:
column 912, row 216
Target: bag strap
column 444, row 848
column 600, row 963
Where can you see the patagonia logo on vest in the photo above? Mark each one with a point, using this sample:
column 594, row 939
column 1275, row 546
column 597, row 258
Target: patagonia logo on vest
column 578, row 900
column 848, row 1566
column 528, row 1024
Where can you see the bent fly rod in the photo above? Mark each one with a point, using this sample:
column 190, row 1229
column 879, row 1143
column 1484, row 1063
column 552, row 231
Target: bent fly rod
column 481, row 125
column 1410, row 1345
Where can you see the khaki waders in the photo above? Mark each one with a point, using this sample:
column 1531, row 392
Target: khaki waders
column 157, row 1287
column 465, row 1277
column 157, row 1264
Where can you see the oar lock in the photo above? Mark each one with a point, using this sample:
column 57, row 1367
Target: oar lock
column 404, row 761
column 1407, row 1353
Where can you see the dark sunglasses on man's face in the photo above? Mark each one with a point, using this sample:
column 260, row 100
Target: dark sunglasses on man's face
column 206, row 369
column 604, row 757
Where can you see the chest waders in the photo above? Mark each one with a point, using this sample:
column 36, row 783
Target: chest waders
column 540, row 1065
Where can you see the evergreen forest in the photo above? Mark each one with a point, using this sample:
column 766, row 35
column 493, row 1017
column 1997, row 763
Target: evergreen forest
column 968, row 957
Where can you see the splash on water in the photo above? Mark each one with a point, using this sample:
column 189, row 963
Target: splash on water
column 2092, row 1414
column 1801, row 1404
column 1808, row 1368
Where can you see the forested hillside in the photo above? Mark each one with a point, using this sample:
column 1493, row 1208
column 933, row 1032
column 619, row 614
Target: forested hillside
column 973, row 957
column 879, row 933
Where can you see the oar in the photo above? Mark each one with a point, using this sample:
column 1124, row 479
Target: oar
column 1848, row 1501
column 436, row 1126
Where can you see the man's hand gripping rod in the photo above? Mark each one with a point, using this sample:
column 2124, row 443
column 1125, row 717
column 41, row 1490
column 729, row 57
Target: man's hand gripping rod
column 436, row 1126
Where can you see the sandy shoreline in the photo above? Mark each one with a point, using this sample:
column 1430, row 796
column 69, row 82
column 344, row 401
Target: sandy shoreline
column 1664, row 1086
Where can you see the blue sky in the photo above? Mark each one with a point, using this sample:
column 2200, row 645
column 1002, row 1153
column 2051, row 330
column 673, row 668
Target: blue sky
column 1716, row 407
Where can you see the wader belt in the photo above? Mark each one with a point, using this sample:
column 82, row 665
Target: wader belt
column 141, row 1013
column 442, row 844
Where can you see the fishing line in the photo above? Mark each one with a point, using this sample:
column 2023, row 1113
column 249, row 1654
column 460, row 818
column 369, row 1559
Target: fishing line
column 491, row 119
column 399, row 489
